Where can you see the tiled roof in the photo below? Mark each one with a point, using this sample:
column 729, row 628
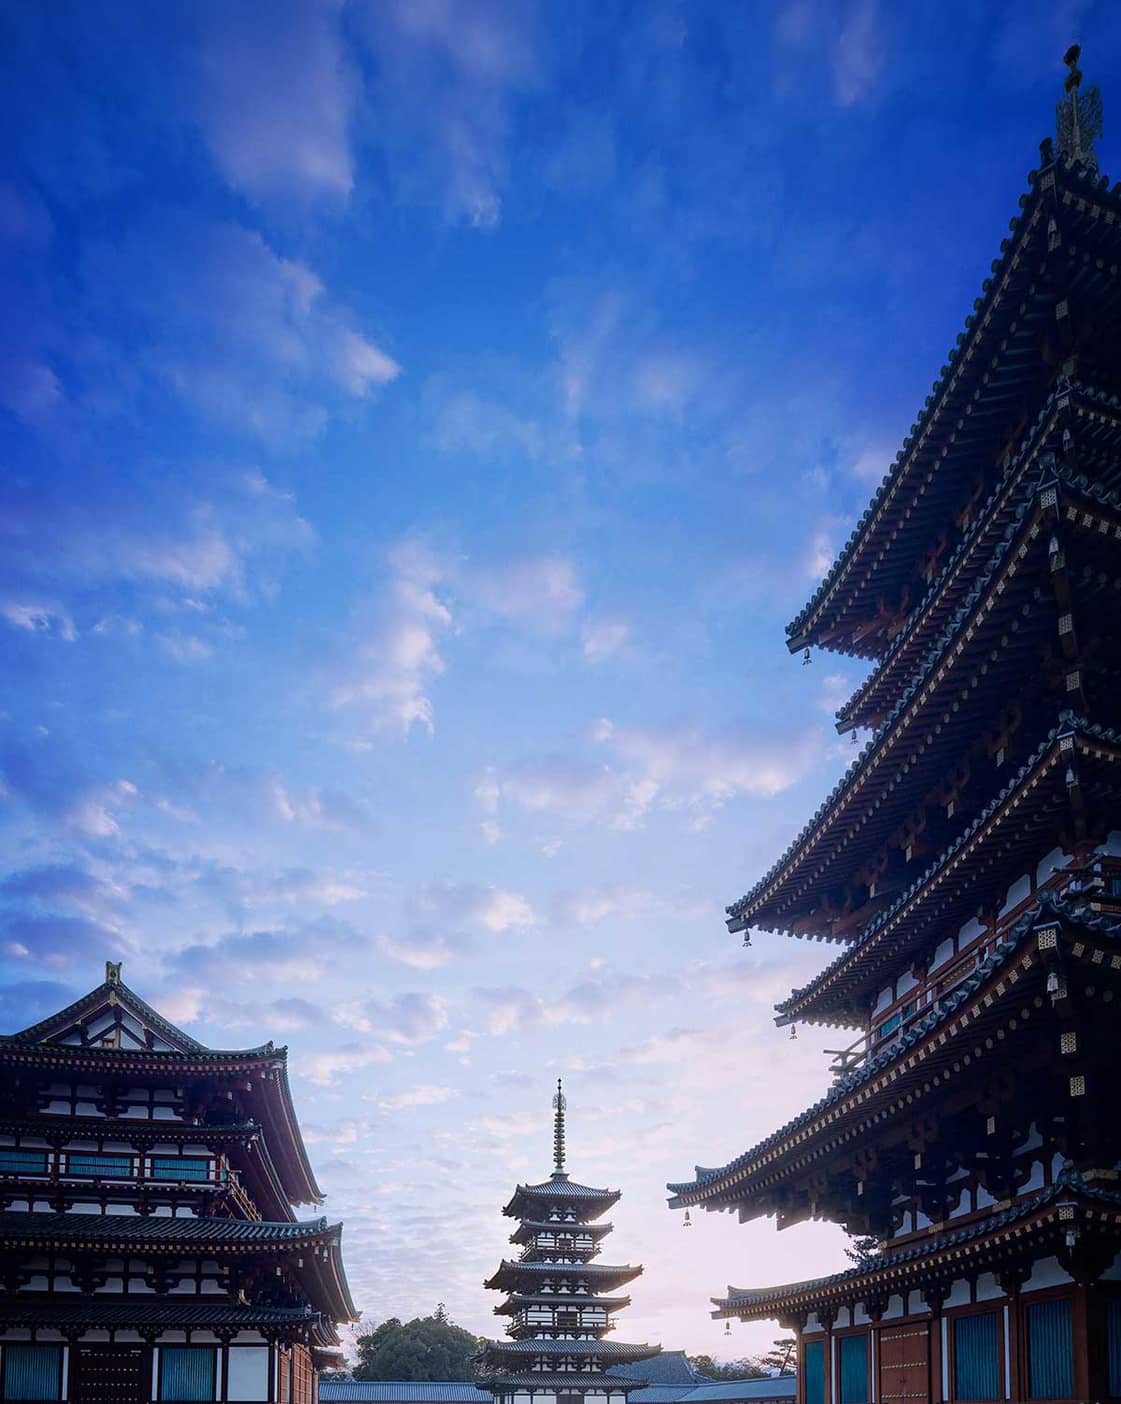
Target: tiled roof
column 402, row 1392
column 1011, row 484
column 778, row 1387
column 669, row 1367
column 156, row 1230
column 516, row 1300
column 739, row 912
column 1068, row 1186
column 1069, row 725
column 1046, row 904
column 592, row 1269
column 574, row 1380
column 914, row 444
column 65, row 1309
column 540, row 1345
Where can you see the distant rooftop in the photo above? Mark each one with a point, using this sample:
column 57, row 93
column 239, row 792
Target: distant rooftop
column 402, row 1392
column 773, row 1391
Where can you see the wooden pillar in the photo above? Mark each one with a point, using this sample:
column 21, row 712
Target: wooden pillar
column 1010, row 1281
column 828, row 1318
column 1080, row 1340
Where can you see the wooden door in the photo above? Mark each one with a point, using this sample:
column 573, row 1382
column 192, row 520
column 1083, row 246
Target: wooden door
column 904, row 1356
column 109, row 1374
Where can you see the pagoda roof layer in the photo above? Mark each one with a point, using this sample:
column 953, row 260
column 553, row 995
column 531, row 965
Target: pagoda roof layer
column 1092, row 420
column 511, row 1274
column 548, row 1345
column 568, row 1380
column 869, row 801
column 63, row 1311
column 155, row 1231
column 322, row 1274
column 848, row 1107
column 534, row 1201
column 1010, row 825
column 517, row 1301
column 1040, row 1219
column 992, row 366
column 267, row 1096
column 529, row 1228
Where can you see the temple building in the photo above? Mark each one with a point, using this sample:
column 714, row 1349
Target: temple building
column 559, row 1299
column 967, row 867
column 148, row 1246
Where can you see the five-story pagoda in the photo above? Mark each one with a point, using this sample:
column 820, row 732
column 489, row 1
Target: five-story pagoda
column 968, row 866
column 559, row 1298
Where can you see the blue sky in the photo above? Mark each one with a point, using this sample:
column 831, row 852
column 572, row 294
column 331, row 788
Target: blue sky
column 419, row 420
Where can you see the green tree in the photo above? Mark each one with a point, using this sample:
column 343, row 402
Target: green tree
column 426, row 1348
column 725, row 1369
column 782, row 1356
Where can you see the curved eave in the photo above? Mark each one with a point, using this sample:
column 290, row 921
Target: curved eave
column 1093, row 417
column 282, row 1131
column 529, row 1228
column 510, row 1274
column 518, row 1301
column 768, row 903
column 533, row 1202
column 887, row 1074
column 967, row 362
column 838, row 996
column 1042, row 1219
column 615, row 1384
column 618, row 1352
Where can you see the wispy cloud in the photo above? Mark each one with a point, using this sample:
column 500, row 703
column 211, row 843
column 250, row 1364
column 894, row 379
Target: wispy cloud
column 275, row 100
column 401, row 659
column 39, row 618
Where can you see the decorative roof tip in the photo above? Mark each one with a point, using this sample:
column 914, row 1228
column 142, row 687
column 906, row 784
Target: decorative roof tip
column 1078, row 115
column 112, row 972
column 559, row 1107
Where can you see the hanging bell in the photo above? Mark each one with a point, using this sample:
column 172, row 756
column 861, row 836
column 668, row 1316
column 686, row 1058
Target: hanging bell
column 688, row 1222
column 727, row 1328
column 747, row 938
column 793, row 1030
column 806, row 659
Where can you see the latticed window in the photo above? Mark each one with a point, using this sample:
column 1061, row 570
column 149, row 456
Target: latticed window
column 854, row 1369
column 177, row 1167
column 814, row 1355
column 1050, row 1350
column 22, row 1162
column 99, row 1167
column 32, row 1372
column 977, row 1357
column 188, row 1373
column 1113, row 1343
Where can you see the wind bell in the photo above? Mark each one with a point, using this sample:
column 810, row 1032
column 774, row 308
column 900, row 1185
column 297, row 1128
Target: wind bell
column 793, row 1031
column 688, row 1222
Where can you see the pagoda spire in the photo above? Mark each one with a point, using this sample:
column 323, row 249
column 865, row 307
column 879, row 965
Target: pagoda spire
column 559, row 1107
column 1078, row 116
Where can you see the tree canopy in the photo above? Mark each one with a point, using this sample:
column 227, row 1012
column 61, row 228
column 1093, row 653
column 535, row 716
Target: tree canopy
column 745, row 1369
column 426, row 1348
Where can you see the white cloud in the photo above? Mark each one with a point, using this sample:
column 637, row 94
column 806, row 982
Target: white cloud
column 185, row 648
column 95, row 814
column 424, row 1095
column 408, row 1018
column 325, row 1069
column 590, row 905
column 402, row 658
column 39, row 617
column 603, row 639
column 421, row 950
column 672, row 767
column 276, row 97
column 493, row 908
column 448, row 71
column 542, row 593
column 362, row 364
column 858, row 51
column 818, row 555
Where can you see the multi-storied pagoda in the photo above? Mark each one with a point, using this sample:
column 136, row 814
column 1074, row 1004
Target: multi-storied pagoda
column 559, row 1299
column 968, row 865
column 148, row 1248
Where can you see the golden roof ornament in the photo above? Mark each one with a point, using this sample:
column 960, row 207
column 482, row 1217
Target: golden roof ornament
column 1078, row 116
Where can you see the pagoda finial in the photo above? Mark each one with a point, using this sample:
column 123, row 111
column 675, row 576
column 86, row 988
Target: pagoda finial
column 1078, row 116
column 559, row 1105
